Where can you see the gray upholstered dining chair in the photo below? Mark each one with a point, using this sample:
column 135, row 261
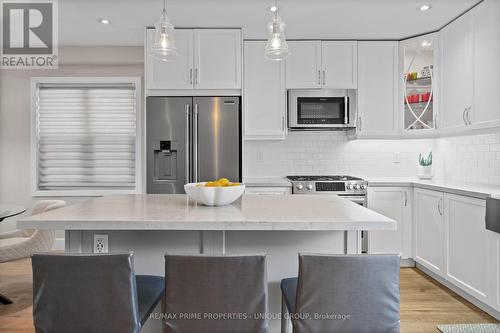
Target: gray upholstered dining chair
column 343, row 293
column 19, row 244
column 225, row 294
column 82, row 293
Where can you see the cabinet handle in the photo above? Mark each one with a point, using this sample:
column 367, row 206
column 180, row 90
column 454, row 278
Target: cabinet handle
column 463, row 116
column 196, row 76
column 191, row 76
column 324, row 77
column 439, row 207
column 406, row 198
column 468, row 115
column 319, row 77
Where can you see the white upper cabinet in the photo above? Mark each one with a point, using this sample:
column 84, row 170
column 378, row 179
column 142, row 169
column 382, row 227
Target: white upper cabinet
column 339, row 65
column 486, row 32
column 429, row 230
column 208, row 59
column 176, row 74
column 264, row 94
column 395, row 203
column 217, row 58
column 457, row 76
column 316, row 64
column 378, row 86
column 303, row 65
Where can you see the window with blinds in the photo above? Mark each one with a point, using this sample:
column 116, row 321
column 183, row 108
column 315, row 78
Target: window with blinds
column 86, row 136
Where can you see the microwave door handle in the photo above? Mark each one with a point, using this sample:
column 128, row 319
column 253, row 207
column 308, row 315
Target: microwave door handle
column 346, row 110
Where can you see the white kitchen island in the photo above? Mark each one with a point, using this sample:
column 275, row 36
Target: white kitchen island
column 152, row 224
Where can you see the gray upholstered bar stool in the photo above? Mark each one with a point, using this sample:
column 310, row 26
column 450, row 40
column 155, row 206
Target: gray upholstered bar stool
column 343, row 293
column 223, row 294
column 82, row 293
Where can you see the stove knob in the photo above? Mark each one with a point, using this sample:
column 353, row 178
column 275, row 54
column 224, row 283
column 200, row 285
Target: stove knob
column 309, row 186
column 299, row 186
column 363, row 186
column 356, row 187
column 349, row 186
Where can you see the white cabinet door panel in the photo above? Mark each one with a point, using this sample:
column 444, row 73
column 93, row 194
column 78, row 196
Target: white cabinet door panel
column 340, row 64
column 378, row 77
column 429, row 229
column 468, row 245
column 456, row 78
column 264, row 95
column 486, row 20
column 395, row 203
column 175, row 74
column 495, row 280
column 217, row 58
column 303, row 65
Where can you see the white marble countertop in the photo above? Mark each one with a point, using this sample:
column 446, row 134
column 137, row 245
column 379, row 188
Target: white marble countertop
column 178, row 212
column 267, row 182
column 476, row 190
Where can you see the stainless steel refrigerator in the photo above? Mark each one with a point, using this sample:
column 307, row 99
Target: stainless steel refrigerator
column 191, row 139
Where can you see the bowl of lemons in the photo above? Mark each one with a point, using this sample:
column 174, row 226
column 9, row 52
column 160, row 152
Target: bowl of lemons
column 219, row 192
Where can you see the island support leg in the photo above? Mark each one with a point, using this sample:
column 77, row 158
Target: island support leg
column 353, row 242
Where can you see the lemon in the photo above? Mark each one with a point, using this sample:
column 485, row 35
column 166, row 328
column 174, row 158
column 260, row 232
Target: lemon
column 213, row 184
column 234, row 184
column 223, row 181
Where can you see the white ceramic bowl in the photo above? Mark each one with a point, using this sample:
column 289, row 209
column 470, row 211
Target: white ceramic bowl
column 214, row 196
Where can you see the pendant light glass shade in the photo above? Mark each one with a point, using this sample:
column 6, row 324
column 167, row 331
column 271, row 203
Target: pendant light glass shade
column 163, row 46
column 276, row 47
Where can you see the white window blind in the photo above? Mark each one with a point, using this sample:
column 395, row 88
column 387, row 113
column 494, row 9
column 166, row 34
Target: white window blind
column 86, row 136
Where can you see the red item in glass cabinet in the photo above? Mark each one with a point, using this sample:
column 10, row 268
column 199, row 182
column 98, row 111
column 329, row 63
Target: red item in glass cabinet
column 425, row 97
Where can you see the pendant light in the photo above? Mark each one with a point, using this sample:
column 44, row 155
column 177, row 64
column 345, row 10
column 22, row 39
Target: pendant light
column 164, row 47
column 276, row 47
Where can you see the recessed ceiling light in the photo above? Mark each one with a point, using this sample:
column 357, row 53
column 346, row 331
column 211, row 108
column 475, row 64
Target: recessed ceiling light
column 426, row 43
column 424, row 8
column 104, row 21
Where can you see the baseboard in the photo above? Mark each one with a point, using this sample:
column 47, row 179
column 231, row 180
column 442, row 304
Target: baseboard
column 485, row 307
column 409, row 262
column 58, row 244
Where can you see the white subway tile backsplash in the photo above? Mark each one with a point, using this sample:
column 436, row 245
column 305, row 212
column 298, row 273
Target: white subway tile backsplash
column 468, row 158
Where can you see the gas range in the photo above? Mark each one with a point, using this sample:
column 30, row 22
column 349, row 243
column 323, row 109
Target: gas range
column 341, row 185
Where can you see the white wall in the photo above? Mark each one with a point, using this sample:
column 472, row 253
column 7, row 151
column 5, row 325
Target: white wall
column 15, row 163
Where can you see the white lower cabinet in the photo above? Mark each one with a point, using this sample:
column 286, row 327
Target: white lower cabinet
column 495, row 283
column 451, row 240
column 429, row 230
column 393, row 202
column 268, row 190
column 468, row 245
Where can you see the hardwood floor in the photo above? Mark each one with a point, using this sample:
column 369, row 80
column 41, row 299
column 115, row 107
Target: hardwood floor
column 424, row 302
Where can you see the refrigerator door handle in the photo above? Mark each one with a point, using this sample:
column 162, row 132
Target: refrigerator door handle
column 187, row 145
column 195, row 144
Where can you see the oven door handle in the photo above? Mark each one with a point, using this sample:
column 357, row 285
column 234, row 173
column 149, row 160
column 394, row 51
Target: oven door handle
column 346, row 110
column 356, row 199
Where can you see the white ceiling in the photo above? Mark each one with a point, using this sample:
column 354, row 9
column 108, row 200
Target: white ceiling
column 305, row 19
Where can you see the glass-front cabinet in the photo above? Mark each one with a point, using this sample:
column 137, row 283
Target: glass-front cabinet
column 418, row 59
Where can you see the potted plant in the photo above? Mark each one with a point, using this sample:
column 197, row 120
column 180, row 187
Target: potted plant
column 425, row 169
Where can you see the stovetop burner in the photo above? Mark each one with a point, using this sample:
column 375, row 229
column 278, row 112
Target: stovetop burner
column 322, row 178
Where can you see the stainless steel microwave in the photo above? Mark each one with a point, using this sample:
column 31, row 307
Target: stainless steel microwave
column 321, row 109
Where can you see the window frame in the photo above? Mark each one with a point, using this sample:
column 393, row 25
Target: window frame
column 35, row 83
